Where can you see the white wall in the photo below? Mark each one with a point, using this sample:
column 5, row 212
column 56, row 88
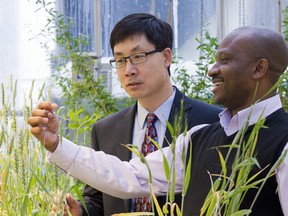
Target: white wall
column 21, row 56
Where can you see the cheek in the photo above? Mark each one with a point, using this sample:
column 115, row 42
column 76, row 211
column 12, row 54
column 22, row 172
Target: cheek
column 121, row 76
column 158, row 76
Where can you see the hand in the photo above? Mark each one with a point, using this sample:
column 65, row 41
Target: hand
column 44, row 125
column 72, row 207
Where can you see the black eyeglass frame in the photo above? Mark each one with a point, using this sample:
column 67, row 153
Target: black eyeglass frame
column 113, row 61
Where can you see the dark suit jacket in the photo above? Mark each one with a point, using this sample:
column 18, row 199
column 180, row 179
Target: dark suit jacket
column 108, row 133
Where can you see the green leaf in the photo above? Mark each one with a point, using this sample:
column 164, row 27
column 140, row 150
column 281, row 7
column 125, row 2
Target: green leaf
column 223, row 163
column 170, row 128
column 188, row 172
column 242, row 212
column 155, row 202
column 214, row 204
column 132, row 149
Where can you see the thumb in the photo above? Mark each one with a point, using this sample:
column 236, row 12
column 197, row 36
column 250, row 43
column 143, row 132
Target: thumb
column 71, row 202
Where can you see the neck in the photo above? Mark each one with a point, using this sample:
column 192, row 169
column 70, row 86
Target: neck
column 155, row 100
column 234, row 111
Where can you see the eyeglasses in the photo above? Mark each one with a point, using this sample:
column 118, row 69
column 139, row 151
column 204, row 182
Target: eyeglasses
column 137, row 58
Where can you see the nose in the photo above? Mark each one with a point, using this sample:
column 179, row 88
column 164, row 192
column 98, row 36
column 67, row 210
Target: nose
column 213, row 70
column 130, row 68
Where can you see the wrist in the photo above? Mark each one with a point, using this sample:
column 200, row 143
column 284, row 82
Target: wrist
column 53, row 147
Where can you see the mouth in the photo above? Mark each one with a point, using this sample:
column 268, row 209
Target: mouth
column 133, row 84
column 217, row 83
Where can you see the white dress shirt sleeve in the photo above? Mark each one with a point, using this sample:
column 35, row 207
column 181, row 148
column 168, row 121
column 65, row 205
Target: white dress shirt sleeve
column 118, row 178
column 106, row 172
column 282, row 179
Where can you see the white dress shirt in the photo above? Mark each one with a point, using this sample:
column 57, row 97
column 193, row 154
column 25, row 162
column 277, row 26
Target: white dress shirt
column 130, row 179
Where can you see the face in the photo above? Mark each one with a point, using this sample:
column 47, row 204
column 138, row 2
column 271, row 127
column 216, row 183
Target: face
column 232, row 74
column 147, row 81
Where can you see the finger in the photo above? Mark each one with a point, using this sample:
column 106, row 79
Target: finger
column 71, row 201
column 59, row 207
column 59, row 211
column 37, row 130
column 54, row 209
column 65, row 209
column 43, row 113
column 55, row 203
column 37, row 121
column 47, row 105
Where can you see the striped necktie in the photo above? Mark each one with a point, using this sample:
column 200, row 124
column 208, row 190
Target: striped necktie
column 143, row 204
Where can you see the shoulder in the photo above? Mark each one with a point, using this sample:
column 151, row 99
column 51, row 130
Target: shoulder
column 200, row 112
column 112, row 119
column 195, row 105
column 204, row 107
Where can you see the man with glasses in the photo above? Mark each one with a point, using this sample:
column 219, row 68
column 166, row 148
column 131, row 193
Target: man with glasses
column 141, row 46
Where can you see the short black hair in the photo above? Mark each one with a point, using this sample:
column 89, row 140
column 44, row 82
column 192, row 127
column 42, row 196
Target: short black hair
column 157, row 31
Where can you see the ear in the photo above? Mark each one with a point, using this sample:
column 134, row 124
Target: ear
column 168, row 56
column 260, row 68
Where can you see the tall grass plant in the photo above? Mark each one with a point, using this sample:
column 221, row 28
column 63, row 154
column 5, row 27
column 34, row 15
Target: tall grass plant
column 28, row 183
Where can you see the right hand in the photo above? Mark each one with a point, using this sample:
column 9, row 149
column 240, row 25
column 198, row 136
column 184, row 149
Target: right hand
column 44, row 125
column 72, row 206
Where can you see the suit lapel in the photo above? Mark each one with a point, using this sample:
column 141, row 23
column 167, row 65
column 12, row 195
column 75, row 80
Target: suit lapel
column 125, row 136
column 175, row 110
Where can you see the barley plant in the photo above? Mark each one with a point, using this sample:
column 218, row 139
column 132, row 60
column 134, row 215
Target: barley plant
column 28, row 182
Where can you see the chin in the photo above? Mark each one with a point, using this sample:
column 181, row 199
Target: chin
column 135, row 96
column 217, row 100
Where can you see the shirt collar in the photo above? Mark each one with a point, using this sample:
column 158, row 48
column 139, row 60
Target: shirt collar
column 162, row 112
column 235, row 123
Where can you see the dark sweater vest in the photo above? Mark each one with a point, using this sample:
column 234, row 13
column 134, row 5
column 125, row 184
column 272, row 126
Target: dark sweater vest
column 270, row 144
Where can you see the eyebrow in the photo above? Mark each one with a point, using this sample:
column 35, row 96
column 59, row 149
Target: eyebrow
column 133, row 50
column 224, row 52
